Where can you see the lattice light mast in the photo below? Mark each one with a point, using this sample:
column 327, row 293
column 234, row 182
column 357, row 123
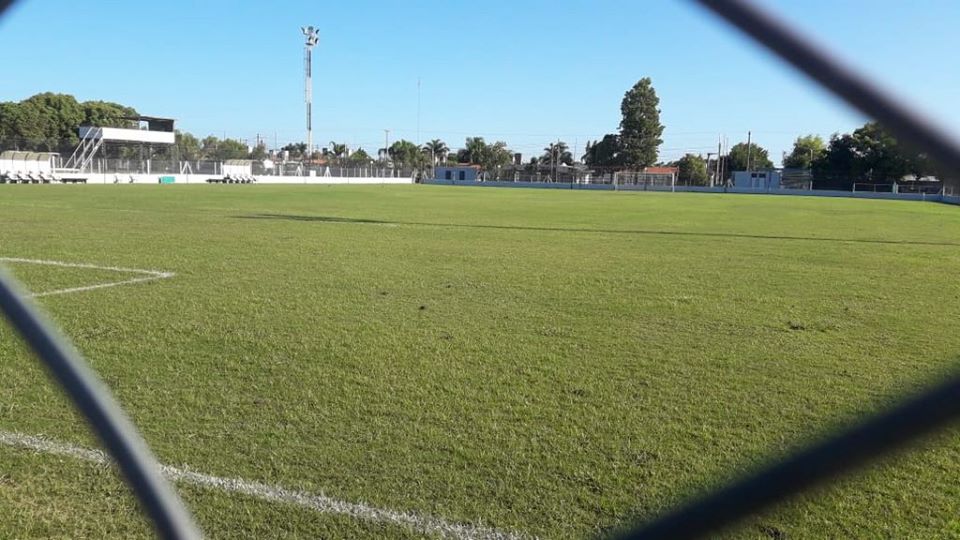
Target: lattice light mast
column 310, row 33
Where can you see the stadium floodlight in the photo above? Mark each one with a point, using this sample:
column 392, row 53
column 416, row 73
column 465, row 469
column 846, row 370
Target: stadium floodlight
column 310, row 33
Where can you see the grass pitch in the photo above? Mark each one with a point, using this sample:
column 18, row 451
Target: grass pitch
column 547, row 363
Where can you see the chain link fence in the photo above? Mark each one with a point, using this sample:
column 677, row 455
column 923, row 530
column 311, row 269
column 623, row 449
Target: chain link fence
column 851, row 448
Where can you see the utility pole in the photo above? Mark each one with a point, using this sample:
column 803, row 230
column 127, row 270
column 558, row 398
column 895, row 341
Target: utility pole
column 749, row 152
column 716, row 176
column 418, row 111
column 386, row 144
column 311, row 41
column 706, row 167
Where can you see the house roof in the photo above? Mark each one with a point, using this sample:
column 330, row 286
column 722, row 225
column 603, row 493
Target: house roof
column 661, row 170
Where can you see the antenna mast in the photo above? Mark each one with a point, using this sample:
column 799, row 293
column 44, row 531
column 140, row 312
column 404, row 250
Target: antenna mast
column 310, row 33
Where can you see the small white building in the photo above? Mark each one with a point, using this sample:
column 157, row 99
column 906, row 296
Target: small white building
column 759, row 179
column 237, row 167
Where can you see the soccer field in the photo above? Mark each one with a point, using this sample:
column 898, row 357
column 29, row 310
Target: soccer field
column 409, row 361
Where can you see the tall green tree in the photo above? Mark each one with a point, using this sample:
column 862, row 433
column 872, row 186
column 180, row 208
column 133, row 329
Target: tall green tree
column 693, row 170
column 757, row 156
column 640, row 127
column 806, row 150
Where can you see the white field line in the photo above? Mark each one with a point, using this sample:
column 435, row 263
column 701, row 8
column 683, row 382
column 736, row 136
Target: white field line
column 148, row 275
column 319, row 503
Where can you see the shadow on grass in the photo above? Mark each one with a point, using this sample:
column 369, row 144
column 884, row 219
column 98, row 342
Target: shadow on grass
column 332, row 219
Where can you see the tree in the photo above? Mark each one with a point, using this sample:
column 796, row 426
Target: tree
column 208, row 147
column 49, row 121
column 640, row 128
column 188, row 146
column 806, row 150
column 884, row 159
column 490, row 157
column 339, row 151
column 740, row 153
column 693, row 170
column 474, row 150
column 12, row 126
column 869, row 154
column 359, row 157
column 58, row 117
column 213, row 148
column 603, row 153
column 297, row 150
column 557, row 154
column 840, row 164
column 405, row 153
column 496, row 156
column 437, row 150
column 259, row 152
column 107, row 114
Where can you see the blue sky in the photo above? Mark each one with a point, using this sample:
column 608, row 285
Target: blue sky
column 526, row 72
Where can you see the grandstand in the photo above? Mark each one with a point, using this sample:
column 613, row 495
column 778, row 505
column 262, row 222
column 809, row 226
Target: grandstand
column 158, row 131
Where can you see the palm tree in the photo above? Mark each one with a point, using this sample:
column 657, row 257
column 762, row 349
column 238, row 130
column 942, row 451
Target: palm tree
column 557, row 153
column 437, row 149
column 338, row 150
column 476, row 149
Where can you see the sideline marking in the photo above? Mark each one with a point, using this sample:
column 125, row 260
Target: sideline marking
column 148, row 275
column 319, row 503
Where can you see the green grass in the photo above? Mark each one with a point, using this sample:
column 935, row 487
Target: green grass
column 546, row 362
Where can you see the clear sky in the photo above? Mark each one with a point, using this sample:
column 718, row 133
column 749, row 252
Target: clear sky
column 527, row 72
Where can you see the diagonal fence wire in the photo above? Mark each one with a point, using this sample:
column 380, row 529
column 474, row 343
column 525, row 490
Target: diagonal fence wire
column 93, row 400
column 924, row 414
column 118, row 435
column 906, row 124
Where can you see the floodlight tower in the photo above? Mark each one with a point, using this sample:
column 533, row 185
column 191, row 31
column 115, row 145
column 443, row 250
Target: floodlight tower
column 311, row 40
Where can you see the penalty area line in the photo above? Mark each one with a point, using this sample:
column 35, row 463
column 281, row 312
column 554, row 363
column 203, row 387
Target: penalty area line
column 420, row 523
column 148, row 275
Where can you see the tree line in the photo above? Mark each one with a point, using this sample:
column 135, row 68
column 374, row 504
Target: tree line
column 48, row 122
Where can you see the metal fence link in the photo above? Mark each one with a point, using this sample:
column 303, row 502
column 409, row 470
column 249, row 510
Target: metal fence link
column 933, row 410
column 885, row 432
